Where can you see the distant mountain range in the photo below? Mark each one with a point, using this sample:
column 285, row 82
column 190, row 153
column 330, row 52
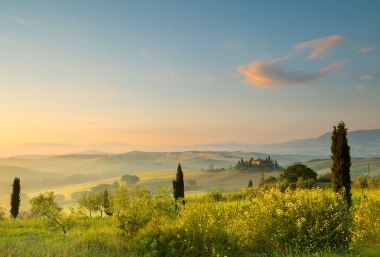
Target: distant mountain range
column 364, row 143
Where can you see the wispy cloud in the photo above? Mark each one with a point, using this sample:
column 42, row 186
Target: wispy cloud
column 271, row 73
column 15, row 20
column 146, row 55
column 327, row 69
column 319, row 46
column 268, row 73
column 360, row 87
column 367, row 77
column 364, row 50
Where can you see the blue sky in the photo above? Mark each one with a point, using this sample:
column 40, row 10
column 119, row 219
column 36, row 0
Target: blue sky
column 186, row 72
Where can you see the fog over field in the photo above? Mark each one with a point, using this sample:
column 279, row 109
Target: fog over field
column 71, row 173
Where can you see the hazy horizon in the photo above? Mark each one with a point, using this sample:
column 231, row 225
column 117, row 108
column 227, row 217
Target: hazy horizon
column 364, row 144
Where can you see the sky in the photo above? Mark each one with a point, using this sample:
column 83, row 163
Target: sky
column 155, row 73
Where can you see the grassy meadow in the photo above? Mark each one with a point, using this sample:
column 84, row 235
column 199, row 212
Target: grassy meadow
column 221, row 216
column 251, row 222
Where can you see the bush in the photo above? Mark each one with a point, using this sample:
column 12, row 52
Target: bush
column 298, row 175
column 325, row 178
column 293, row 172
column 2, row 213
column 203, row 230
column 200, row 230
column 130, row 179
column 136, row 207
column 158, row 238
column 214, row 196
column 299, row 221
column 305, row 183
column 366, row 219
column 191, row 185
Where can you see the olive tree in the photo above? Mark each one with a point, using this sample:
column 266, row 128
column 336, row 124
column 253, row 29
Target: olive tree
column 91, row 201
column 44, row 205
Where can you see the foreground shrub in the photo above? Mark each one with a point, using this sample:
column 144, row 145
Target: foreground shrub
column 44, row 205
column 135, row 207
column 298, row 221
column 200, row 230
column 2, row 213
column 203, row 230
column 366, row 219
column 158, row 238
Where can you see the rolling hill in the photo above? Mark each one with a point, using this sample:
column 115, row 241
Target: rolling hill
column 359, row 166
column 107, row 165
column 364, row 143
column 66, row 185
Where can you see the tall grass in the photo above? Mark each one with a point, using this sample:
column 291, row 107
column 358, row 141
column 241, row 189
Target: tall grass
column 259, row 223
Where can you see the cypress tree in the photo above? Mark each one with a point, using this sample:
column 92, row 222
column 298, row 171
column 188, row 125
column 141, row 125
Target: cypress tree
column 106, row 203
column 250, row 184
column 15, row 198
column 178, row 184
column 341, row 162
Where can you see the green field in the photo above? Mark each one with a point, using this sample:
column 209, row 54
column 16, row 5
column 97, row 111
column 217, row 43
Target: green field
column 206, row 181
column 359, row 166
column 240, row 222
column 34, row 181
column 263, row 223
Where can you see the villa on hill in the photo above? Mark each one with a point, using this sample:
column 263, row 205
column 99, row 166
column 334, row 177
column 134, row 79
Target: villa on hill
column 258, row 164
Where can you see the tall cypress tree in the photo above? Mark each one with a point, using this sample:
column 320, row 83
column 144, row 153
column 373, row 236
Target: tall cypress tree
column 15, row 198
column 178, row 184
column 106, row 203
column 341, row 161
column 250, row 184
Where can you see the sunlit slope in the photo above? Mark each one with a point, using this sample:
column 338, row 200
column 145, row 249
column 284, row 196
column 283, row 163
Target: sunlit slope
column 154, row 169
column 359, row 166
column 113, row 165
column 41, row 173
column 205, row 181
column 10, row 172
column 27, row 176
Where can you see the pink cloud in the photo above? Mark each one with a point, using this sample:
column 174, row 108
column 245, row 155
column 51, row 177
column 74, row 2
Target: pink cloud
column 319, row 46
column 261, row 73
column 271, row 73
column 326, row 70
